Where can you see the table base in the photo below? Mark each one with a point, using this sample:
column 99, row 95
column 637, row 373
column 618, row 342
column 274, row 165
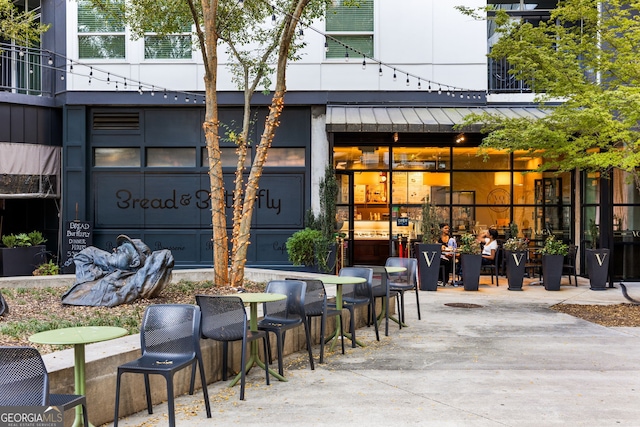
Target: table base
column 254, row 359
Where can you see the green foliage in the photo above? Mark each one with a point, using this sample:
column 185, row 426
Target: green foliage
column 515, row 244
column 587, row 59
column 593, row 233
column 469, row 244
column 21, row 26
column 23, row 239
column 328, row 197
column 554, row 247
column 49, row 268
column 513, row 229
column 301, row 246
column 430, row 224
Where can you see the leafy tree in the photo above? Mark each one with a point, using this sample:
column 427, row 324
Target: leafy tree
column 260, row 50
column 585, row 56
column 20, row 26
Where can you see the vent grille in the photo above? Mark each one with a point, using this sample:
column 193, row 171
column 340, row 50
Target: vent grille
column 116, row 121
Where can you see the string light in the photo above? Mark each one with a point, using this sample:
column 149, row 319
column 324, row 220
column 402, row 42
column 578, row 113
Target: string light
column 50, row 61
column 407, row 83
column 364, row 63
column 301, row 34
column 326, row 46
column 346, row 54
column 240, row 3
column 380, row 70
column 419, row 85
column 108, row 78
column 395, row 77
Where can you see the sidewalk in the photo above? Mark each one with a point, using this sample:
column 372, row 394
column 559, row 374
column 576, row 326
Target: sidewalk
column 510, row 362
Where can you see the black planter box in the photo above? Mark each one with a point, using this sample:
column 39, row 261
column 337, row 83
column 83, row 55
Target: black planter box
column 516, row 262
column 21, row 261
column 598, row 268
column 471, row 266
column 552, row 271
column 428, row 255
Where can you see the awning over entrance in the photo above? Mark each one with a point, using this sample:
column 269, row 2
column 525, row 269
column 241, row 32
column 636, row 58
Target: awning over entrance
column 413, row 119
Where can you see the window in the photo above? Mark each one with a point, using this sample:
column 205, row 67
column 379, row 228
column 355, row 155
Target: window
column 101, row 32
column 172, row 46
column 349, row 26
column 116, row 157
column 171, row 157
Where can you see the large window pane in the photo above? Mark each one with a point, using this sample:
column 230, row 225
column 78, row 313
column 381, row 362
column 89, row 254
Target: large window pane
column 116, row 157
column 91, row 47
column 336, row 48
column 228, row 157
column 285, row 157
column 101, row 31
column 167, row 47
column 361, row 157
column 350, row 26
column 468, row 158
column 171, row 157
column 421, row 158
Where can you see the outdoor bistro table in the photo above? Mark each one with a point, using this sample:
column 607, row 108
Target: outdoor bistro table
column 383, row 270
column 78, row 337
column 253, row 299
column 339, row 281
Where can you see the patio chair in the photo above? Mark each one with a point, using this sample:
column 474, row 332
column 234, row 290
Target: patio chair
column 494, row 268
column 569, row 267
column 170, row 342
column 358, row 295
column 280, row 316
column 315, row 305
column 224, row 319
column 24, row 381
column 404, row 282
column 380, row 290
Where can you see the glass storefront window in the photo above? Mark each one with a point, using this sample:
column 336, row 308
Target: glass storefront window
column 468, row 158
column 364, row 157
column 116, row 157
column 421, row 158
column 228, row 157
column 171, row 157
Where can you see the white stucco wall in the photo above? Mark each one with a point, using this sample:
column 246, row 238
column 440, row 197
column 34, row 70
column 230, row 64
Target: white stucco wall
column 427, row 38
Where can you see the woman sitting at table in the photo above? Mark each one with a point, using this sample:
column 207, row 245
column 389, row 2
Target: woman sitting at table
column 448, row 246
column 490, row 248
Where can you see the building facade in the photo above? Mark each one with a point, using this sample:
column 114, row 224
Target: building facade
column 375, row 93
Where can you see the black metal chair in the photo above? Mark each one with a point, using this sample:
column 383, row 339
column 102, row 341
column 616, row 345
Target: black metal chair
column 358, row 295
column 170, row 342
column 494, row 268
column 569, row 267
column 315, row 305
column 404, row 282
column 24, row 381
column 224, row 319
column 280, row 316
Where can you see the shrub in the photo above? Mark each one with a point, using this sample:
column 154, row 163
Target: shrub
column 23, row 239
column 469, row 244
column 47, row 269
column 514, row 244
column 554, row 247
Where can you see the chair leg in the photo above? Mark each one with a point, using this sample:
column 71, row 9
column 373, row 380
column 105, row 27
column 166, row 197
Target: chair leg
column 308, row 335
column 418, row 303
column 342, row 333
column 243, row 362
column 147, row 389
column 170, row 401
column 323, row 326
column 203, row 380
column 352, row 324
column 265, row 344
column 280, row 345
column 225, row 366
column 375, row 324
column 117, row 404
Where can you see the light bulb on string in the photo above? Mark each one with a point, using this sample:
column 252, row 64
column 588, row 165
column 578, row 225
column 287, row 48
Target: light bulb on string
column 125, row 84
column 407, row 82
column 70, row 66
column 439, row 90
column 140, row 89
column 240, row 3
column 326, row 46
column 395, row 77
column 116, row 85
column 301, row 34
column 419, row 85
column 108, row 78
column 346, row 54
column 165, row 94
column 273, row 15
column 380, row 70
column 186, row 98
column 175, row 97
column 429, row 87
column 62, row 76
column 153, row 89
column 364, row 63
column 50, row 61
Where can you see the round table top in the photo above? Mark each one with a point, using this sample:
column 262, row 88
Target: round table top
column 260, row 297
column 341, row 280
column 78, row 335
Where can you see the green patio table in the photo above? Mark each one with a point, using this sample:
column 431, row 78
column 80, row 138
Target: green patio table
column 339, row 281
column 253, row 299
column 78, row 337
column 383, row 270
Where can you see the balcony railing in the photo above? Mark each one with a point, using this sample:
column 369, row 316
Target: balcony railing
column 500, row 81
column 21, row 70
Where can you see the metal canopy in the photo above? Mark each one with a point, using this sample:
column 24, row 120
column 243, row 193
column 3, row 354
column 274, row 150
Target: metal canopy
column 414, row 119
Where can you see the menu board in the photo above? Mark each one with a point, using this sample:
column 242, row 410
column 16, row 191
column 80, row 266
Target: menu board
column 77, row 236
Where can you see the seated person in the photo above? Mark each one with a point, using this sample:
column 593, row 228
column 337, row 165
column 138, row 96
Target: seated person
column 490, row 249
column 447, row 253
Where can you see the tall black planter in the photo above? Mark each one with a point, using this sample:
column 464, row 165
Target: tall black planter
column 21, row 261
column 552, row 271
column 428, row 255
column 516, row 262
column 598, row 268
column 471, row 266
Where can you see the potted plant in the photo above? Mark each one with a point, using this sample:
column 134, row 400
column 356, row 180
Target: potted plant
column 553, row 253
column 309, row 248
column 428, row 252
column 22, row 253
column 516, row 256
column 597, row 260
column 471, row 261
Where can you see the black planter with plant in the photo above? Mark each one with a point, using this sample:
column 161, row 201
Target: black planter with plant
column 470, row 261
column 315, row 246
column 597, row 261
column 515, row 250
column 428, row 252
column 22, row 254
column 553, row 253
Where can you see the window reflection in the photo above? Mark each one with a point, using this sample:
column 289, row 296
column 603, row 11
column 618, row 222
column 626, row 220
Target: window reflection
column 116, row 157
column 228, row 157
column 171, row 157
column 285, row 157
